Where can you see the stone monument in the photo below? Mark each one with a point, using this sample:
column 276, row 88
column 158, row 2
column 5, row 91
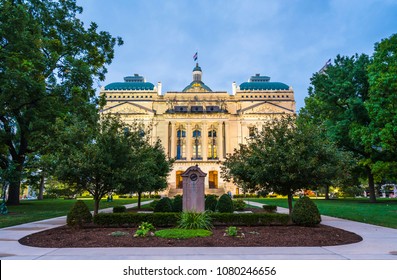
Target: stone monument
column 193, row 189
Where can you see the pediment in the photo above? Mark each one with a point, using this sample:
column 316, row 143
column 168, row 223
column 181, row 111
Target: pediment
column 129, row 108
column 265, row 108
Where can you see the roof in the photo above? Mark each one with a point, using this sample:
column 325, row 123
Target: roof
column 130, row 86
column 197, row 86
column 263, row 86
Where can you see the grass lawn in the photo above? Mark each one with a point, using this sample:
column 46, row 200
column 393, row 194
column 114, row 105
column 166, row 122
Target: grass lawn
column 35, row 210
column 382, row 213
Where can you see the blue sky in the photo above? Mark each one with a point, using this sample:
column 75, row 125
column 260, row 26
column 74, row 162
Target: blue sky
column 287, row 40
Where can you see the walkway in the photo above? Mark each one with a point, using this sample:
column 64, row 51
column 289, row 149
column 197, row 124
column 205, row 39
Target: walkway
column 379, row 243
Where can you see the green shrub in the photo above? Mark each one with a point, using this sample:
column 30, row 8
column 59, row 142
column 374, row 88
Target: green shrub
column 180, row 233
column 231, row 231
column 144, row 230
column 194, row 220
column 270, row 208
column 153, row 204
column 225, row 204
column 134, row 219
column 79, row 215
column 238, row 205
column 249, row 219
column 305, row 213
column 172, row 219
column 210, row 202
column 177, row 203
column 164, row 205
column 119, row 209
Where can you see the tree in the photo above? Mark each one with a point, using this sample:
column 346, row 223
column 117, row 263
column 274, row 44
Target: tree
column 382, row 105
column 287, row 156
column 93, row 159
column 48, row 64
column 236, row 168
column 147, row 166
column 336, row 102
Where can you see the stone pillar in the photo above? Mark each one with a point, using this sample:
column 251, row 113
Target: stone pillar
column 173, row 140
column 189, row 141
column 204, row 142
column 220, row 141
column 193, row 189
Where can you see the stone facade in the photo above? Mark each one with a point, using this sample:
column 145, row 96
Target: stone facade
column 198, row 125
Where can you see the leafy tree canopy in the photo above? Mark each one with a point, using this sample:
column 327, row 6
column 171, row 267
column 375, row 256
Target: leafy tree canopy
column 49, row 62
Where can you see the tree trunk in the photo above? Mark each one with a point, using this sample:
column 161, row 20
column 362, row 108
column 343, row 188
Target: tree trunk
column 326, row 192
column 290, row 203
column 139, row 200
column 41, row 188
column 96, row 205
column 371, row 185
column 14, row 190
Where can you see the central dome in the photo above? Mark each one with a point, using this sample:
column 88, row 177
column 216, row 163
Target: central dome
column 197, row 85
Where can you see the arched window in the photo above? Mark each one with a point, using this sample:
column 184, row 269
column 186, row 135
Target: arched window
column 212, row 139
column 179, row 179
column 213, row 179
column 196, row 143
column 181, row 143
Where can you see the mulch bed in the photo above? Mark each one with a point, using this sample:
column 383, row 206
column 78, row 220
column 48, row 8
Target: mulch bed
column 265, row 236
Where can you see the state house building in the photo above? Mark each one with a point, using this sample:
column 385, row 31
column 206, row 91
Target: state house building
column 198, row 125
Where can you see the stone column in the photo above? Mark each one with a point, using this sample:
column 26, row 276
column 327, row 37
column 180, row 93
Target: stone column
column 220, row 141
column 173, row 140
column 226, row 141
column 189, row 141
column 204, row 141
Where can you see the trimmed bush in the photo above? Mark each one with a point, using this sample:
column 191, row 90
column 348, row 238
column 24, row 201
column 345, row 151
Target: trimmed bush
column 177, row 203
column 238, row 205
column 270, row 208
column 249, row 219
column 79, row 215
column 305, row 213
column 164, row 205
column 135, row 219
column 210, row 202
column 119, row 209
column 225, row 204
column 172, row 219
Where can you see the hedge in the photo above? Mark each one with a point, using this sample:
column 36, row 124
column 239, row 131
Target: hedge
column 171, row 219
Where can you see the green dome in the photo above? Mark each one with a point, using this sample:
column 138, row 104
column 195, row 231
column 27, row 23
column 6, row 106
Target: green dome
column 130, row 86
column 196, row 86
column 197, row 68
column 263, row 86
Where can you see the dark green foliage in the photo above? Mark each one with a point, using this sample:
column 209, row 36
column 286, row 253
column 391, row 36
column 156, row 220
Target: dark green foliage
column 79, row 215
column 171, row 219
column 119, row 209
column 135, row 219
column 245, row 219
column 164, row 205
column 270, row 208
column 210, row 202
column 305, row 213
column 177, row 203
column 238, row 205
column 194, row 220
column 225, row 204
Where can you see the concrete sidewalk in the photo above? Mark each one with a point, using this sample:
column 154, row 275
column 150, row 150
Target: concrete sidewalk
column 379, row 243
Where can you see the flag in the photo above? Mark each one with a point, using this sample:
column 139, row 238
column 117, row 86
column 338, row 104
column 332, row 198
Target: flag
column 195, row 56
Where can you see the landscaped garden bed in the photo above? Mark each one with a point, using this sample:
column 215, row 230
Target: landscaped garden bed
column 263, row 236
